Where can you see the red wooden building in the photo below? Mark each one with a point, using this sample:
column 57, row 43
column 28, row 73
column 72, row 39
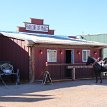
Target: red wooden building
column 35, row 44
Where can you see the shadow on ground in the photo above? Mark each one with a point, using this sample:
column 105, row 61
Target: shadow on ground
column 27, row 92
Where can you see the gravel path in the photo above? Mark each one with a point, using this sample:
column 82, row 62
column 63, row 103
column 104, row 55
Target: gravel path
column 80, row 93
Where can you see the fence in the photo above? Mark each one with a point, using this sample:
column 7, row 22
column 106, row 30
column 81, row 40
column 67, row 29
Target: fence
column 75, row 69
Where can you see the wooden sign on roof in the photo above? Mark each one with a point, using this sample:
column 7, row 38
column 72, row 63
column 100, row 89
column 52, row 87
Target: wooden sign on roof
column 36, row 26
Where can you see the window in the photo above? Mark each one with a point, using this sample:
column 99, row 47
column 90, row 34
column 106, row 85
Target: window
column 51, row 55
column 85, row 54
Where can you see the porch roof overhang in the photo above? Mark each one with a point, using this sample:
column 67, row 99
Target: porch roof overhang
column 33, row 38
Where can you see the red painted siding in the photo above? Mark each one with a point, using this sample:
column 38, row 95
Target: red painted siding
column 78, row 55
column 57, row 71
column 14, row 51
column 36, row 21
column 17, row 53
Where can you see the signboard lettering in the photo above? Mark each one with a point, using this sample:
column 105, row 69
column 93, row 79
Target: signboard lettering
column 35, row 27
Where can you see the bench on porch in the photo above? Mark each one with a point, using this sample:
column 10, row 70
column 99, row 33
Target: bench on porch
column 6, row 69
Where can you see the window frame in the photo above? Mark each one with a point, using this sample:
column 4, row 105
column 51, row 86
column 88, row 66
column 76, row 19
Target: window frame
column 87, row 53
column 51, row 57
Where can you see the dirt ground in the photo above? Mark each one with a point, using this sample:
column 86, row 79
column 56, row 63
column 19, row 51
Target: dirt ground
column 79, row 93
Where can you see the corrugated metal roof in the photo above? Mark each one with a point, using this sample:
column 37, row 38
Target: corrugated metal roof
column 51, row 39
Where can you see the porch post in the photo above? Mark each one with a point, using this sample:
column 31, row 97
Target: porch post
column 31, row 71
column 73, row 74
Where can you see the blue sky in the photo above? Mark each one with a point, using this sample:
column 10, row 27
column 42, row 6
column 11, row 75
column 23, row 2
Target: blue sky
column 67, row 17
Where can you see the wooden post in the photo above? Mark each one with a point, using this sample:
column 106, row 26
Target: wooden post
column 46, row 63
column 73, row 74
column 18, row 77
column 31, row 72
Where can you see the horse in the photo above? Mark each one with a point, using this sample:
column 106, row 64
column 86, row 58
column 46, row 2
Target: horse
column 99, row 66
